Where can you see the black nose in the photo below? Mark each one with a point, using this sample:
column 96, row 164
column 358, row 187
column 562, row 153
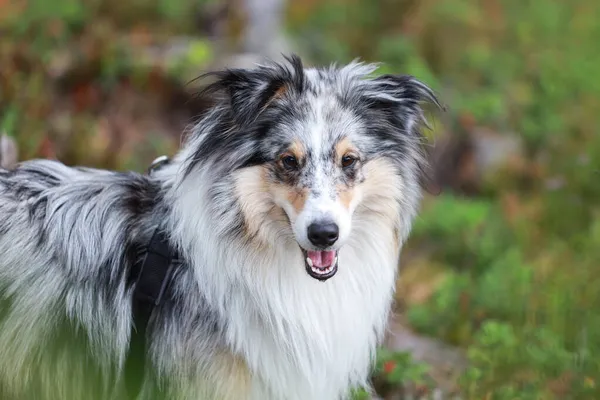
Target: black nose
column 323, row 234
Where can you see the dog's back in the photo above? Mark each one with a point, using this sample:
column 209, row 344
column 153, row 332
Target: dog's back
column 65, row 245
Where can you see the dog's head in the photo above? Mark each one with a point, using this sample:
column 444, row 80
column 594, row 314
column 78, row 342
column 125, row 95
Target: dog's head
column 311, row 151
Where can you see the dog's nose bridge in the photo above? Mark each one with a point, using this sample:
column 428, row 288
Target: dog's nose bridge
column 321, row 205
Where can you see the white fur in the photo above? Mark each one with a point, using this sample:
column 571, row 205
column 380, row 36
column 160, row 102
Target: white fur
column 304, row 339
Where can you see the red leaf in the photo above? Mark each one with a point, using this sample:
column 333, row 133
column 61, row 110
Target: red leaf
column 389, row 367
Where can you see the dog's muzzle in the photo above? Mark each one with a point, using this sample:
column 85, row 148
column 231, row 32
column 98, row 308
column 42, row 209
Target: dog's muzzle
column 321, row 264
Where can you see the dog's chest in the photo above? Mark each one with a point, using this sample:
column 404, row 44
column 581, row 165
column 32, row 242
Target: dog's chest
column 317, row 348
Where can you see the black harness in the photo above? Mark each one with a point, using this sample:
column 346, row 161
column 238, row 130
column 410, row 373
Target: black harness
column 150, row 277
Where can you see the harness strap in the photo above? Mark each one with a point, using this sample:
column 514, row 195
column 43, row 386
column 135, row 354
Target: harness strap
column 150, row 276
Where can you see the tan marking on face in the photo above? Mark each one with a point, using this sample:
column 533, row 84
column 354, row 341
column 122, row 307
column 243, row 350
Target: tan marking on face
column 344, row 147
column 297, row 198
column 294, row 196
column 252, row 189
column 346, row 195
column 382, row 188
column 297, row 150
column 257, row 196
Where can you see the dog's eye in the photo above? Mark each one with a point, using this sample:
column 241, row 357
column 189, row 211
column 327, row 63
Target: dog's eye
column 289, row 162
column 348, row 161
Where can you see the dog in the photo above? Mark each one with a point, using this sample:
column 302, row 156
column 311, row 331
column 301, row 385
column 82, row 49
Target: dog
column 288, row 206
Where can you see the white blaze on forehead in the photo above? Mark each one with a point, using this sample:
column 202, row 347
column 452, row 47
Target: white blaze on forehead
column 326, row 122
column 318, row 128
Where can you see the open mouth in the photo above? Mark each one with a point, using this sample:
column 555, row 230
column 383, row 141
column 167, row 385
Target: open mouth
column 321, row 265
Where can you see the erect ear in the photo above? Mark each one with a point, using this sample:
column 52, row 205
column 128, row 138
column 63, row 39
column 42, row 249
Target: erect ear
column 250, row 91
column 403, row 96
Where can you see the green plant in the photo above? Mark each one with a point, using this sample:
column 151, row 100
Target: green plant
column 399, row 368
column 395, row 369
column 524, row 362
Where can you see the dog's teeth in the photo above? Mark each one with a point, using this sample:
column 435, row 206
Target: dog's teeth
column 335, row 260
column 309, row 262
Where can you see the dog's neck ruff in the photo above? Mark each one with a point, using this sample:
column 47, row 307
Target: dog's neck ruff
column 299, row 338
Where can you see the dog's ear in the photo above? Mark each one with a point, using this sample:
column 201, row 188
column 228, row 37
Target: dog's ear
column 250, row 91
column 399, row 100
column 402, row 96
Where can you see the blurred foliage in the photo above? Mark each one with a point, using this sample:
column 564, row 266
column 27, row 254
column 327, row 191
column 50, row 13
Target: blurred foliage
column 86, row 81
column 522, row 66
column 78, row 76
column 519, row 297
column 397, row 373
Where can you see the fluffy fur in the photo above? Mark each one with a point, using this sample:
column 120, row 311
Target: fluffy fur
column 242, row 318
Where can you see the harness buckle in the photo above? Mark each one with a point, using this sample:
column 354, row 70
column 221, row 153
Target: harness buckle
column 157, row 163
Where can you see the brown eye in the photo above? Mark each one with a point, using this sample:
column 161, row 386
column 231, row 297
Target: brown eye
column 348, row 161
column 289, row 162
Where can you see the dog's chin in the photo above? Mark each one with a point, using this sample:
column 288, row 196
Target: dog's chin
column 321, row 265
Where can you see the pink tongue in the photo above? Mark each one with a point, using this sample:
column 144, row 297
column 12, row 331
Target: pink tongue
column 321, row 259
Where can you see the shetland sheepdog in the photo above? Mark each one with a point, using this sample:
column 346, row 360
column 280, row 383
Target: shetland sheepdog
column 287, row 205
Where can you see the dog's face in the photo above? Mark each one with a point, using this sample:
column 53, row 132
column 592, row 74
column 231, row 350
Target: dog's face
column 315, row 177
column 310, row 148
